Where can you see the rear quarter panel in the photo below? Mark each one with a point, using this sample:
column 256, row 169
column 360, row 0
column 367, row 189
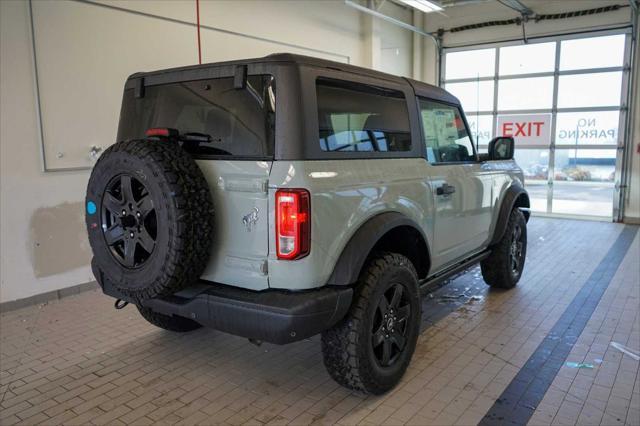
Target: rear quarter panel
column 344, row 195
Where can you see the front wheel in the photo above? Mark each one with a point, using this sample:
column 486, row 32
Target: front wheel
column 370, row 349
column 503, row 268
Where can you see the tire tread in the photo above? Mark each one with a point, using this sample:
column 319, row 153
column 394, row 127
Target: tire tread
column 340, row 344
column 190, row 232
column 495, row 268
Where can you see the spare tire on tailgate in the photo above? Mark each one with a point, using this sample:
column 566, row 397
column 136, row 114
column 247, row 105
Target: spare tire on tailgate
column 149, row 217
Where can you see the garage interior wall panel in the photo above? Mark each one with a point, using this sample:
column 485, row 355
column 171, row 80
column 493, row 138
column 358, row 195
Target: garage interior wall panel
column 102, row 46
column 84, row 53
column 396, row 46
column 42, row 238
column 81, row 84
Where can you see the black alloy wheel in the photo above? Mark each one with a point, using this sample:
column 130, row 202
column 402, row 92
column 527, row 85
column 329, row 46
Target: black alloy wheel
column 388, row 334
column 504, row 265
column 129, row 222
column 515, row 250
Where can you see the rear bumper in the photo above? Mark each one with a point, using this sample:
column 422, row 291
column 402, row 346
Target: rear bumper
column 274, row 316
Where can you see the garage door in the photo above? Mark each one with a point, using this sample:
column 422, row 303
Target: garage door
column 563, row 101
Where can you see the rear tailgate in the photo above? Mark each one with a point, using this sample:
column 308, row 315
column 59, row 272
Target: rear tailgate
column 241, row 234
column 228, row 127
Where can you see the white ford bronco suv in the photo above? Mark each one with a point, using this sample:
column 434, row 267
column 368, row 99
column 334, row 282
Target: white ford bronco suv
column 286, row 196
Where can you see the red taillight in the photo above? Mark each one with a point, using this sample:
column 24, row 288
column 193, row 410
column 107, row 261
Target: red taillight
column 293, row 223
column 161, row 131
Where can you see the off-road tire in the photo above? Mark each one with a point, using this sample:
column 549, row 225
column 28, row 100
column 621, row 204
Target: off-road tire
column 496, row 269
column 171, row 323
column 346, row 347
column 184, row 212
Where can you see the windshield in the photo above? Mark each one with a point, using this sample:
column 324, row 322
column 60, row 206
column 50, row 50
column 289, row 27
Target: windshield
column 236, row 122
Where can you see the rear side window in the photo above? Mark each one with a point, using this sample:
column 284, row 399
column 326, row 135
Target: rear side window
column 239, row 122
column 361, row 118
column 445, row 135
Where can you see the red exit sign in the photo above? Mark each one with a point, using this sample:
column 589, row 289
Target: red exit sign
column 526, row 129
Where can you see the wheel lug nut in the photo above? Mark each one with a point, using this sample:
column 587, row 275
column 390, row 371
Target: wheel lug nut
column 138, row 214
column 124, row 212
column 131, row 235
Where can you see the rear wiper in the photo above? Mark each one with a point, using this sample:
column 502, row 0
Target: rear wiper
column 195, row 137
column 190, row 141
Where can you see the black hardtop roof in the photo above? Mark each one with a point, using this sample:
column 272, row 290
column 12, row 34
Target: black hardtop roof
column 421, row 88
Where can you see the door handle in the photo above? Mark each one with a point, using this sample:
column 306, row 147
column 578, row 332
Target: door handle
column 445, row 189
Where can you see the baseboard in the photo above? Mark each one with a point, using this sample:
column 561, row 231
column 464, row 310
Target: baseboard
column 12, row 305
column 631, row 220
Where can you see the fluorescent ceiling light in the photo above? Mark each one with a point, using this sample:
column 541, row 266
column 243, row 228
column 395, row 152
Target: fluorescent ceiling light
column 425, row 6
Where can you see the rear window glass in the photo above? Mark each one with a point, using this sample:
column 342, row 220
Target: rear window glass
column 238, row 122
column 360, row 118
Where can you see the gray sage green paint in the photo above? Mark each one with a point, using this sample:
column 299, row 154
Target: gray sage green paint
column 347, row 188
column 344, row 196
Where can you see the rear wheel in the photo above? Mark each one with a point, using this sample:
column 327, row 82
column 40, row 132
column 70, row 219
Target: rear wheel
column 503, row 268
column 370, row 349
column 171, row 323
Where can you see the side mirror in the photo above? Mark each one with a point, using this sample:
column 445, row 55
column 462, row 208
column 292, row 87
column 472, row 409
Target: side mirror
column 501, row 148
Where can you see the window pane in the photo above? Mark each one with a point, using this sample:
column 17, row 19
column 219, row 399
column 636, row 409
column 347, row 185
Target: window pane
column 470, row 63
column 587, row 128
column 359, row 118
column 534, row 163
column 525, row 93
column 481, row 127
column 535, row 166
column 584, row 181
column 596, row 165
column 528, row 58
column 593, row 52
column 239, row 122
column 589, row 90
column 474, row 96
column 445, row 134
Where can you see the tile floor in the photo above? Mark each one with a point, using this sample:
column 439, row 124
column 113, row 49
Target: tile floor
column 78, row 361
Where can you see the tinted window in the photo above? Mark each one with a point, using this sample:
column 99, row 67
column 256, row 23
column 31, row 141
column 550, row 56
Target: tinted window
column 240, row 122
column 360, row 118
column 445, row 134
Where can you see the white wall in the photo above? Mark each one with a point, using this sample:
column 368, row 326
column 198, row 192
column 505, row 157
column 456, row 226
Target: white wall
column 632, row 203
column 84, row 53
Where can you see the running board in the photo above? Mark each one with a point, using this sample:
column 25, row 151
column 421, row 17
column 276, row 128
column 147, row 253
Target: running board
column 432, row 283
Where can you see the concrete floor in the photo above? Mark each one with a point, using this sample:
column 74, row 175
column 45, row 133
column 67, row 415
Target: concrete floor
column 495, row 357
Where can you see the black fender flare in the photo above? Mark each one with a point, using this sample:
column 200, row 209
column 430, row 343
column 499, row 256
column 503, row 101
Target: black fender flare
column 353, row 256
column 509, row 199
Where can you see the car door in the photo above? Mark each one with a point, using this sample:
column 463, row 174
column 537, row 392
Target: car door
column 461, row 193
